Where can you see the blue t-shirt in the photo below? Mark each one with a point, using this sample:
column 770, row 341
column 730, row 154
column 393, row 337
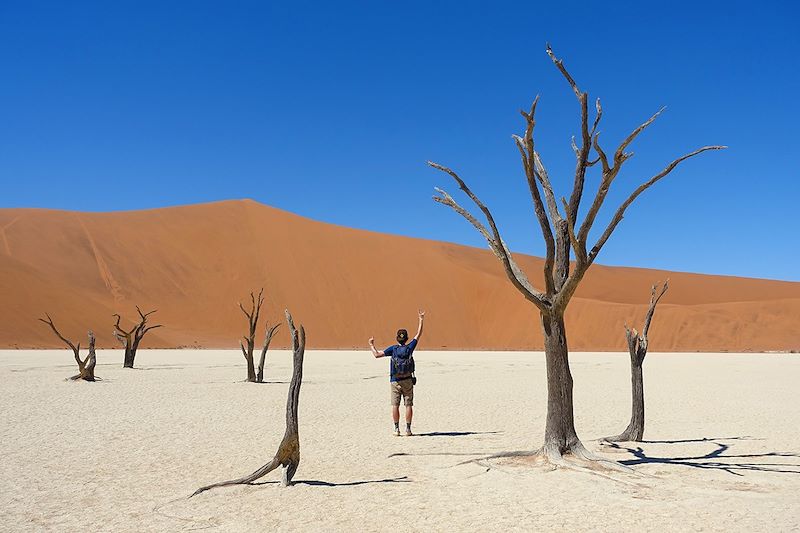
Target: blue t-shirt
column 390, row 352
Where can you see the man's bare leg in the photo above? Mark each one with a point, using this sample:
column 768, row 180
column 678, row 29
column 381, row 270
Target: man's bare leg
column 409, row 416
column 396, row 418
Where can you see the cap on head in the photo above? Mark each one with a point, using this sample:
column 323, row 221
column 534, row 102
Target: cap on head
column 402, row 336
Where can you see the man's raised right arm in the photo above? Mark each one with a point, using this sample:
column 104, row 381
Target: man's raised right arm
column 375, row 352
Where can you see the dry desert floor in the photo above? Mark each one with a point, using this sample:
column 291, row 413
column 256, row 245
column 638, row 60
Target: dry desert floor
column 722, row 449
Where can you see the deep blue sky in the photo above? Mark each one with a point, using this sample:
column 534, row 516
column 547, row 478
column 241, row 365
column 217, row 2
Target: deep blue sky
column 330, row 110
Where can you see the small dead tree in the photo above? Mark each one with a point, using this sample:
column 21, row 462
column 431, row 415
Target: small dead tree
column 248, row 341
column 288, row 454
column 563, row 237
column 130, row 339
column 637, row 347
column 85, row 366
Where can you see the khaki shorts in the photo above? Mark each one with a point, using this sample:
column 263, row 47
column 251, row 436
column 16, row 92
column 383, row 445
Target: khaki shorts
column 404, row 388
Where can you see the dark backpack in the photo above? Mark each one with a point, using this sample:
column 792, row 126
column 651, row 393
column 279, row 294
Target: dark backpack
column 402, row 361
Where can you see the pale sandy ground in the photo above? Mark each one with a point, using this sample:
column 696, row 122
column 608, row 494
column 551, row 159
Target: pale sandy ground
column 723, row 450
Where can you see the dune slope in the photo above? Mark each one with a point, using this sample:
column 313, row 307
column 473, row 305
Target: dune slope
column 194, row 263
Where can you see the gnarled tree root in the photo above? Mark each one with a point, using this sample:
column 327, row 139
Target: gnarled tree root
column 288, row 454
column 625, row 436
column 576, row 458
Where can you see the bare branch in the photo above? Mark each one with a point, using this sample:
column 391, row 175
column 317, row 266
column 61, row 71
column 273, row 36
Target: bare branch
column 544, row 179
column 581, row 153
column 560, row 64
column 601, row 155
column 526, row 150
column 597, row 117
column 513, row 272
column 580, row 251
column 75, row 350
column 120, row 330
column 652, row 309
column 620, row 155
column 145, row 315
column 448, row 200
column 643, row 187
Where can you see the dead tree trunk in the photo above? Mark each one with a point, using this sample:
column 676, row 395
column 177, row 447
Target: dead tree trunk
column 268, row 334
column 85, row 366
column 288, row 454
column 250, row 339
column 565, row 241
column 637, row 348
column 131, row 339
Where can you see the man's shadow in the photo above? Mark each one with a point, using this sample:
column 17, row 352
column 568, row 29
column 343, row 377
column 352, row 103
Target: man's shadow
column 717, row 459
column 454, row 433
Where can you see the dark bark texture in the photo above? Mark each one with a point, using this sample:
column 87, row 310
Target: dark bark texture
column 637, row 348
column 288, row 454
column 565, row 240
column 130, row 339
column 85, row 366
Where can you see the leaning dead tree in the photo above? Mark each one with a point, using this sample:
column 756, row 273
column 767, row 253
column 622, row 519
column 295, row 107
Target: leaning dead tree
column 248, row 341
column 130, row 339
column 85, row 366
column 268, row 334
column 565, row 239
column 637, row 347
column 288, row 454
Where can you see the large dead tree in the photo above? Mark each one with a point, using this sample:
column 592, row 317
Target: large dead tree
column 564, row 239
column 248, row 341
column 85, row 366
column 288, row 454
column 637, row 347
column 130, row 339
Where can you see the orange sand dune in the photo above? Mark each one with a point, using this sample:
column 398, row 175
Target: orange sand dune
column 194, row 263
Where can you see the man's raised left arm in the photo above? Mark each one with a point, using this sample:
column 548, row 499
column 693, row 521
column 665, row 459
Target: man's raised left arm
column 419, row 328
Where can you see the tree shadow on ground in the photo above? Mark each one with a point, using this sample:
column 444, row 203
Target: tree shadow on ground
column 716, row 459
column 454, row 433
column 317, row 483
column 265, row 382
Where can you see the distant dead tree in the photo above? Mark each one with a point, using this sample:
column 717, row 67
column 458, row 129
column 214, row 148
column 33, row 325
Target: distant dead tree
column 130, row 339
column 249, row 341
column 637, row 347
column 563, row 237
column 288, row 454
column 85, row 366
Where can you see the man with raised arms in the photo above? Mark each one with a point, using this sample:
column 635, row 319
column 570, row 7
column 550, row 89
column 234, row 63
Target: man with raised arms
column 401, row 370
